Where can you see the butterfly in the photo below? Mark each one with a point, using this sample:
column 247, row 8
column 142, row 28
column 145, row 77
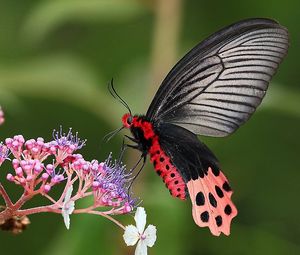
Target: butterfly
column 211, row 91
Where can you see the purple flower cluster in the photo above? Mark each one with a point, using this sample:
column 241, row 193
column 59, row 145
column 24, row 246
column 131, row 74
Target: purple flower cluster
column 40, row 165
column 4, row 153
column 113, row 179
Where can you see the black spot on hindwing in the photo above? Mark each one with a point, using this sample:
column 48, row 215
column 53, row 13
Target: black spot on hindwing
column 204, row 216
column 219, row 220
column 200, row 200
column 212, row 200
column 219, row 191
column 228, row 209
column 226, row 187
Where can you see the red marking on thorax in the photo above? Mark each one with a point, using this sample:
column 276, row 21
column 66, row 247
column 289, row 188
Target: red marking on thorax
column 162, row 163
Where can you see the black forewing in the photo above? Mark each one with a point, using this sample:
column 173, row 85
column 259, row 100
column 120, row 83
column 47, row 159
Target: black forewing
column 191, row 157
column 216, row 87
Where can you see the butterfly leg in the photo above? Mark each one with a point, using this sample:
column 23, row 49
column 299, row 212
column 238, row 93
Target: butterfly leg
column 143, row 156
column 131, row 138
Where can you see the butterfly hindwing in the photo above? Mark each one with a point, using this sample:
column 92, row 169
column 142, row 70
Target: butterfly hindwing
column 206, row 185
column 211, row 200
column 217, row 86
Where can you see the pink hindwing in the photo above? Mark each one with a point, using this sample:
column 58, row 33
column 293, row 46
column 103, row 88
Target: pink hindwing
column 212, row 206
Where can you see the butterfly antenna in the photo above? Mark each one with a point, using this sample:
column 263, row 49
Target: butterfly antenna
column 111, row 134
column 114, row 93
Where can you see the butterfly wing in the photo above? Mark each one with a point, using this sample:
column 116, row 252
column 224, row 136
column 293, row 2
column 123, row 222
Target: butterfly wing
column 206, row 185
column 217, row 86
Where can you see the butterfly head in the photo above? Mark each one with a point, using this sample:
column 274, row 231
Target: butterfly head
column 127, row 120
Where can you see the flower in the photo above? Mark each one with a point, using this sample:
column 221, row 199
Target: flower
column 4, row 153
column 38, row 165
column 110, row 184
column 68, row 206
column 138, row 233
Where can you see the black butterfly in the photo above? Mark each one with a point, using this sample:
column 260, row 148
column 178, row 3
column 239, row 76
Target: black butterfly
column 211, row 91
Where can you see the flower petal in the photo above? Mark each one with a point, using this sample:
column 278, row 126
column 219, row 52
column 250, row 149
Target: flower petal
column 68, row 193
column 150, row 234
column 131, row 235
column 140, row 219
column 68, row 207
column 141, row 248
column 66, row 218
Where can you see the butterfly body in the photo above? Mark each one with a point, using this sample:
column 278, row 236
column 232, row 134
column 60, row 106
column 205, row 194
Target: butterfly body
column 186, row 165
column 212, row 91
column 147, row 136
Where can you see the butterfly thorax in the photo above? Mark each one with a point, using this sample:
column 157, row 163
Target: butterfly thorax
column 147, row 138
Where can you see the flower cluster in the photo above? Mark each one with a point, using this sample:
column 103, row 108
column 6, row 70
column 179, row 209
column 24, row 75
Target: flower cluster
column 38, row 166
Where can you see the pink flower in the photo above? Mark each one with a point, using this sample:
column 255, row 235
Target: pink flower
column 38, row 166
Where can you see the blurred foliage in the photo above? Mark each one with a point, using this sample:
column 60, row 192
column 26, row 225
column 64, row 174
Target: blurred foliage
column 56, row 58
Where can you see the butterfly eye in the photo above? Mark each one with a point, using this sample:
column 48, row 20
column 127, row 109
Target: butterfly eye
column 129, row 120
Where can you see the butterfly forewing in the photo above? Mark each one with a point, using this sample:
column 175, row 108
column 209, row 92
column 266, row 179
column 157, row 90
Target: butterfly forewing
column 218, row 85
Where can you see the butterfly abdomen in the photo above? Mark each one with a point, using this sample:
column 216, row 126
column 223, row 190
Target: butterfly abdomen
column 144, row 131
column 167, row 171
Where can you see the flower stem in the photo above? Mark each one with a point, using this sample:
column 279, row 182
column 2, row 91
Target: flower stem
column 108, row 217
column 39, row 209
column 5, row 196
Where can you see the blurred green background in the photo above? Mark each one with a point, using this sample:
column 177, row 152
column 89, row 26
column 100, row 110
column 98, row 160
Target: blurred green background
column 56, row 58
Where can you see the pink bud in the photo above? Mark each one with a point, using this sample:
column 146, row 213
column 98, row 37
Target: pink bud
column 96, row 184
column 47, row 188
column 19, row 171
column 35, row 150
column 10, row 177
column 40, row 141
column 29, row 144
column 45, row 176
column 50, row 168
column 52, row 149
column 22, row 180
column 8, row 141
column 15, row 163
column 27, row 168
column 37, row 168
column 20, row 138
column 23, row 163
column 127, row 209
column 15, row 143
column 29, row 177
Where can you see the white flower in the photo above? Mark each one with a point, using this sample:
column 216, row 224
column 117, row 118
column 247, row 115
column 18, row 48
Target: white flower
column 68, row 207
column 138, row 233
